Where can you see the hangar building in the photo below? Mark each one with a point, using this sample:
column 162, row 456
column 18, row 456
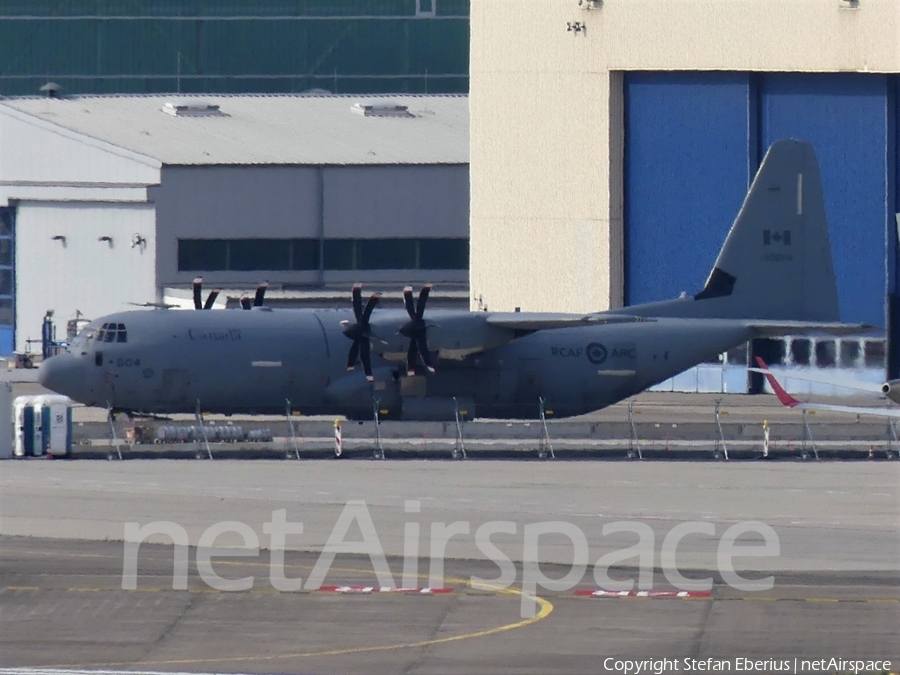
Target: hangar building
column 613, row 141
column 107, row 200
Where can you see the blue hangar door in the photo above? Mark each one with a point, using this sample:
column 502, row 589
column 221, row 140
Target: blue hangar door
column 693, row 142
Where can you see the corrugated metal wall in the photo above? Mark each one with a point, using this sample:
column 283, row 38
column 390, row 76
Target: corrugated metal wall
column 690, row 139
column 268, row 46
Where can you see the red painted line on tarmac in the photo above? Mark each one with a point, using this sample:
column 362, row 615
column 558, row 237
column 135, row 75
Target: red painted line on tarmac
column 384, row 589
column 600, row 593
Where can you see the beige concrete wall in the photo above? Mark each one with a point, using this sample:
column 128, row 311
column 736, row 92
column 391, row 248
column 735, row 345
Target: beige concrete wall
column 546, row 127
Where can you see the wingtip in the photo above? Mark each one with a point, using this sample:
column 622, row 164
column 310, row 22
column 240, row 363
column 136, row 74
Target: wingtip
column 783, row 397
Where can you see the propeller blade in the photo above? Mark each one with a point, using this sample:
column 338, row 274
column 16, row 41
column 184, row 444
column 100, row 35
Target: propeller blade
column 423, row 298
column 245, row 302
column 408, row 301
column 260, row 294
column 353, row 355
column 211, row 299
column 198, row 289
column 366, row 359
column 357, row 301
column 423, row 350
column 411, row 355
column 370, row 306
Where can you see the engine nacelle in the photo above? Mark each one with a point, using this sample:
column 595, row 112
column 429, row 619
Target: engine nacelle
column 891, row 389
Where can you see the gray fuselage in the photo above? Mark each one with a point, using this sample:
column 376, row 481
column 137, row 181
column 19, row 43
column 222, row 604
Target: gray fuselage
column 261, row 361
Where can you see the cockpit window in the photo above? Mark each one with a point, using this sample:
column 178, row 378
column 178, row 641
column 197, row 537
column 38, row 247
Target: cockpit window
column 113, row 332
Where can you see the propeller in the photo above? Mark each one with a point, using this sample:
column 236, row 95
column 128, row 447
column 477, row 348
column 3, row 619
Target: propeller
column 198, row 295
column 258, row 298
column 416, row 329
column 361, row 332
column 260, row 294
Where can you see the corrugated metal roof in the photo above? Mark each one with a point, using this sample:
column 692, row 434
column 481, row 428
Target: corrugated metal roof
column 252, row 129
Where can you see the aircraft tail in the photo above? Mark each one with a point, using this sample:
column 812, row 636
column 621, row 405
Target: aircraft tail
column 776, row 261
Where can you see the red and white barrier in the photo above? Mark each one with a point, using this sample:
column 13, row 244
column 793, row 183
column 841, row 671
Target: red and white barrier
column 338, row 442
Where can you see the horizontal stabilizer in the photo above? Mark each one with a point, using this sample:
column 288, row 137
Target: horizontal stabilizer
column 778, row 327
column 548, row 320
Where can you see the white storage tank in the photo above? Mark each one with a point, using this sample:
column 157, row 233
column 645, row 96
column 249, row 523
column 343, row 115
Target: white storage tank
column 55, row 413
column 28, row 427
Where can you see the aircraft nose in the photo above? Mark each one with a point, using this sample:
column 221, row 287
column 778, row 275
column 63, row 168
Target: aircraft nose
column 58, row 373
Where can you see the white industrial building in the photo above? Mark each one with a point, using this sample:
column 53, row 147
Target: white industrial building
column 110, row 200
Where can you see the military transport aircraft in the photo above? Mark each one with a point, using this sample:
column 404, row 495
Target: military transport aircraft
column 773, row 276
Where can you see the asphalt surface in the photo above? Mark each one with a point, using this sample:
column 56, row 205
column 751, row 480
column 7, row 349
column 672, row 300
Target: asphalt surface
column 835, row 572
column 63, row 607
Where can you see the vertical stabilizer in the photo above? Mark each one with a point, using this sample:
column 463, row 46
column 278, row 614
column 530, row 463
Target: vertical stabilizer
column 776, row 261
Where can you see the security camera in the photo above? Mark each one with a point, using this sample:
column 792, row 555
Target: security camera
column 589, row 4
column 137, row 240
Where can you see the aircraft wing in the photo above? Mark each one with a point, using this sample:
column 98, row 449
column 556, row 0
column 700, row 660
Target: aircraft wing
column 547, row 320
column 769, row 327
column 790, row 402
column 849, row 384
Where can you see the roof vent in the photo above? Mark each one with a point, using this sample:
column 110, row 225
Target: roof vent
column 386, row 109
column 192, row 109
column 52, row 90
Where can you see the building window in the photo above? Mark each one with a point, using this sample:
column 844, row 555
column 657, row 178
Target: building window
column 396, row 254
column 260, row 255
column 874, row 353
column 340, row 254
column 444, row 254
column 826, row 354
column 850, row 353
column 202, row 255
column 248, row 255
column 800, row 351
column 386, row 254
column 305, row 254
